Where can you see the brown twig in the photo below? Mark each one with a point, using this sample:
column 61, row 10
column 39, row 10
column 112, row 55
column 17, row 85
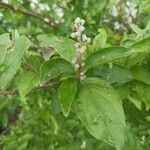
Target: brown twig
column 27, row 13
column 48, row 84
column 8, row 92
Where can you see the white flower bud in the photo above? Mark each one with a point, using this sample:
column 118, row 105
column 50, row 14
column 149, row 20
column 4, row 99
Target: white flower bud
column 82, row 22
column 73, row 35
column 88, row 40
column 82, row 74
column 85, row 39
column 82, row 77
column 78, row 34
column 81, row 49
column 81, row 29
column 83, row 64
column 74, row 60
column 76, row 66
column 78, row 45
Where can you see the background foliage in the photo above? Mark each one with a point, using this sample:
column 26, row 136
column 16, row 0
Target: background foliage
column 36, row 75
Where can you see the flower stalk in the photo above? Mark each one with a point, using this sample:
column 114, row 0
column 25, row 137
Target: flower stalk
column 82, row 41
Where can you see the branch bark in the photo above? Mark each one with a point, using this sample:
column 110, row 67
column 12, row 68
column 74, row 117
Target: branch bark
column 27, row 13
column 15, row 92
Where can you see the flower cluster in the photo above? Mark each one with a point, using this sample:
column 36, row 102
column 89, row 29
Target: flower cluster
column 82, row 41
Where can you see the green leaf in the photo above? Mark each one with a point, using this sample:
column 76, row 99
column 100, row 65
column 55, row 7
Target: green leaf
column 112, row 53
column 4, row 119
column 116, row 74
column 141, row 74
column 136, row 29
column 142, row 93
column 56, row 68
column 67, row 92
column 141, row 48
column 34, row 62
column 27, row 81
column 13, row 59
column 63, row 45
column 143, row 45
column 4, row 45
column 105, row 55
column 100, row 109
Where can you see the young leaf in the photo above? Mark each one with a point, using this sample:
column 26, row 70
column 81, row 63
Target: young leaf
column 100, row 40
column 136, row 29
column 143, row 45
column 143, row 92
column 100, row 109
column 54, row 68
column 64, row 46
column 67, row 91
column 4, row 45
column 13, row 59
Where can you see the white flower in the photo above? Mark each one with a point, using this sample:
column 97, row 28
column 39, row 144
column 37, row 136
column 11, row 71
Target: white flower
column 80, row 46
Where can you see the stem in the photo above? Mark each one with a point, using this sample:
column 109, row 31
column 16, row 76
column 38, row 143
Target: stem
column 27, row 13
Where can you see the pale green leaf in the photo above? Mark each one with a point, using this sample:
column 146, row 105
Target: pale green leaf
column 143, row 45
column 100, row 109
column 13, row 59
column 27, row 81
column 105, row 55
column 56, row 68
column 141, row 74
column 142, row 93
column 141, row 50
column 100, row 40
column 63, row 45
column 4, row 45
column 136, row 29
column 112, row 53
column 67, row 91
